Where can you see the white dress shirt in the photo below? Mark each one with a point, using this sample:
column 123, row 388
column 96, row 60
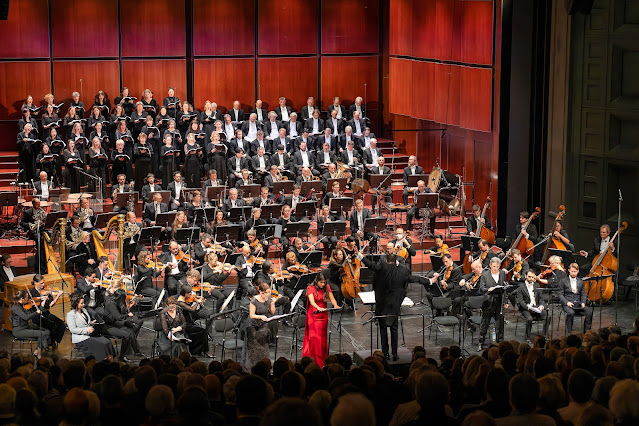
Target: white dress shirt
column 259, row 114
column 315, row 125
column 495, row 277
column 304, row 155
column 252, row 132
column 573, row 285
column 175, row 270
column 327, row 157
column 9, row 273
column 249, row 268
column 284, row 113
column 229, row 131
column 274, row 130
column 262, row 162
column 292, row 129
column 530, row 287
column 358, row 128
column 604, row 245
column 178, row 189
column 45, row 190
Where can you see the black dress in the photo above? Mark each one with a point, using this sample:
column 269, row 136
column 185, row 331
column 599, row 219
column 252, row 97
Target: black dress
column 192, row 165
column 121, row 166
column 143, row 166
column 47, row 320
column 172, row 349
column 98, row 167
column 258, row 335
column 217, row 161
column 74, row 179
column 169, row 164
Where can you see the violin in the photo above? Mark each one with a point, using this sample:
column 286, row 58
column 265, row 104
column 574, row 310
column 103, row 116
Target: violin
column 33, row 302
column 440, row 250
column 473, row 281
column 205, row 286
column 155, row 265
column 182, row 256
column 222, row 268
column 192, row 298
column 281, row 275
column 298, row 268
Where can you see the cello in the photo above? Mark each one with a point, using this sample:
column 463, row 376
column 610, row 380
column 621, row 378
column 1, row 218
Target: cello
column 554, row 242
column 603, row 264
column 483, row 232
column 523, row 244
column 350, row 276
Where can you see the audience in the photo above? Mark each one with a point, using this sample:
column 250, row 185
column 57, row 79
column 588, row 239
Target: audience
column 586, row 379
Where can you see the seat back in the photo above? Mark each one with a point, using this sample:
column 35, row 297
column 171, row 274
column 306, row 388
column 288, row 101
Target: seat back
column 222, row 325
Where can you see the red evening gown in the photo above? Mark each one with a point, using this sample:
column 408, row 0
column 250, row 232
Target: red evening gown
column 315, row 338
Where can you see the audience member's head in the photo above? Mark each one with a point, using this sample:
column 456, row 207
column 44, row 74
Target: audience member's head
column 253, row 395
column 580, row 385
column 524, row 391
column 623, row 401
column 353, row 410
column 290, row 411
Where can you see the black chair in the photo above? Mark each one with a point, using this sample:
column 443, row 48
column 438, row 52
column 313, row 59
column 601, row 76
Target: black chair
column 474, row 304
column 224, row 325
column 22, row 341
column 442, row 304
column 631, row 283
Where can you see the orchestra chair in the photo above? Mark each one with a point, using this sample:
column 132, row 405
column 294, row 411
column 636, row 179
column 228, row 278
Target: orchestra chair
column 22, row 341
column 536, row 321
column 631, row 283
column 474, row 303
column 224, row 325
column 442, row 304
column 578, row 317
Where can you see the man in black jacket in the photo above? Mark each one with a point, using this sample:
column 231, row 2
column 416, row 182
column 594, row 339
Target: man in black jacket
column 572, row 295
column 152, row 209
column 389, row 281
column 7, row 271
column 174, row 269
column 530, row 303
column 490, row 285
column 357, row 219
column 411, row 169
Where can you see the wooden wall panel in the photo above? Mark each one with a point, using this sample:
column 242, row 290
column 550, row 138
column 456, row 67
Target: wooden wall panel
column 293, row 78
column 287, row 27
column 156, row 75
column 8, row 133
column 345, row 77
column 218, row 28
column 477, row 32
column 30, row 15
column 476, row 107
column 400, row 86
column 424, row 32
column 224, row 81
column 448, row 39
column 153, row 28
column 484, row 171
column 19, row 79
column 84, row 28
column 95, row 75
column 401, row 27
column 350, row 26
column 447, row 94
column 423, row 90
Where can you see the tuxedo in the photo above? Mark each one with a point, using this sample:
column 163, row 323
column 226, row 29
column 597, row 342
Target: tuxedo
column 4, row 278
column 408, row 172
column 368, row 156
column 308, row 125
column 297, row 125
column 492, row 306
column 363, row 139
column 279, row 113
column 471, row 224
column 231, row 166
column 319, row 159
column 91, row 218
column 38, row 188
column 353, row 108
column 149, row 213
column 268, row 146
column 255, row 163
column 147, row 190
column 246, row 127
column 376, row 171
column 354, row 219
column 261, row 111
column 362, row 126
column 337, row 126
column 341, row 111
column 289, row 145
column 259, row 202
column 228, row 205
column 305, row 113
column 172, row 187
column 298, row 161
column 236, row 115
column 523, row 300
column 275, row 159
column 596, row 247
column 576, row 297
column 345, row 158
column 241, row 143
column 271, row 129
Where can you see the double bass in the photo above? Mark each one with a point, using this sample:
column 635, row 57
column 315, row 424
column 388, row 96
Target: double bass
column 350, row 276
column 603, row 264
column 523, row 244
column 554, row 242
column 483, row 232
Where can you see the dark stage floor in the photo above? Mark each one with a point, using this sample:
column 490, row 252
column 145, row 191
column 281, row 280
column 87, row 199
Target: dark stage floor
column 356, row 334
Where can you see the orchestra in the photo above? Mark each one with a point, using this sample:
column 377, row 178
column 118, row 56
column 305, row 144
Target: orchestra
column 200, row 172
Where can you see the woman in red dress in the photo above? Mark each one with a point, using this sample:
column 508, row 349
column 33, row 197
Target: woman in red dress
column 315, row 340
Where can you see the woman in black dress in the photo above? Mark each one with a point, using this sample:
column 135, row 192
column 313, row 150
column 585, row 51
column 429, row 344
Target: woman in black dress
column 207, row 118
column 103, row 135
column 121, row 161
column 333, row 273
column 73, row 178
column 169, row 156
column 184, row 117
column 45, row 162
column 142, row 158
column 217, row 156
column 150, row 105
column 50, row 120
column 153, row 138
column 81, row 142
column 194, row 310
column 214, row 274
column 124, row 134
column 193, row 162
column 125, row 101
column 162, row 120
column 173, row 329
column 57, row 146
column 101, row 101
column 95, row 117
column 69, row 120
column 47, row 299
column 258, row 334
column 98, row 166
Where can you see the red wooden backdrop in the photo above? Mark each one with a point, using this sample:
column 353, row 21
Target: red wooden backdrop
column 153, row 28
column 19, row 79
column 350, row 26
column 95, row 75
column 287, row 27
column 218, row 28
column 31, row 41
column 223, row 81
column 156, row 75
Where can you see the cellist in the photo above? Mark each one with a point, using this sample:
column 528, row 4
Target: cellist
column 472, row 222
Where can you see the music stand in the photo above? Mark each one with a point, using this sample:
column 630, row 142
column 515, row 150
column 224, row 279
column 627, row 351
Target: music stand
column 213, row 192
column 102, row 219
column 198, row 217
column 284, row 186
column 165, row 219
column 304, row 281
column 187, row 235
column 313, row 258
column 413, row 179
column 470, row 244
column 229, row 232
column 426, row 201
column 312, row 186
column 8, row 199
column 334, row 229
column 340, row 205
column 342, row 183
column 250, row 191
column 374, row 225
column 566, row 255
column 265, row 232
column 123, row 198
column 295, row 229
column 384, row 180
column 53, row 217
column 271, row 211
column 308, row 208
column 239, row 213
column 150, row 234
column 437, row 262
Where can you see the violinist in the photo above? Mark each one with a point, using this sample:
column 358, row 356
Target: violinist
column 472, row 222
column 530, row 303
column 213, row 273
column 255, row 221
column 200, row 249
column 175, row 266
column 258, row 249
column 46, row 298
column 102, row 270
column 147, row 270
column 318, row 294
column 357, row 219
column 553, row 275
column 193, row 308
column 23, row 322
column 484, row 254
column 122, row 323
column 446, row 282
column 266, row 274
column 439, row 248
column 89, row 287
column 470, row 284
column 245, row 270
column 329, row 242
column 402, row 241
column 415, row 212
column 290, row 259
column 518, row 266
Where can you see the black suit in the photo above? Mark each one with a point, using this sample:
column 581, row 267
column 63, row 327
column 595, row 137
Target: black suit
column 297, row 125
column 319, row 160
column 149, row 215
column 264, row 114
column 353, row 108
column 337, row 127
column 171, row 280
column 288, row 143
column 305, row 113
column 389, row 283
column 269, row 125
column 267, row 144
column 231, row 166
column 278, row 112
column 174, row 197
column 492, row 307
column 241, row 143
column 244, row 281
column 566, row 295
column 308, row 125
column 340, row 108
column 355, row 226
column 298, row 162
column 236, row 115
column 471, row 224
column 362, row 125
column 38, row 188
column 246, row 127
column 407, row 172
column 343, row 140
column 522, row 298
column 4, row 278
column 368, row 156
column 146, row 191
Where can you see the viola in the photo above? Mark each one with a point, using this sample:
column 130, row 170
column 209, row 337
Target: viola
column 192, row 298
column 33, row 302
column 155, row 265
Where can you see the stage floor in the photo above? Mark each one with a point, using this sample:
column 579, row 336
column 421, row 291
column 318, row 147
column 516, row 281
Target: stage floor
column 356, row 334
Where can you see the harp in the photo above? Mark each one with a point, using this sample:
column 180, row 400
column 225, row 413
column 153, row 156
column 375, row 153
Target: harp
column 116, row 223
column 57, row 237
